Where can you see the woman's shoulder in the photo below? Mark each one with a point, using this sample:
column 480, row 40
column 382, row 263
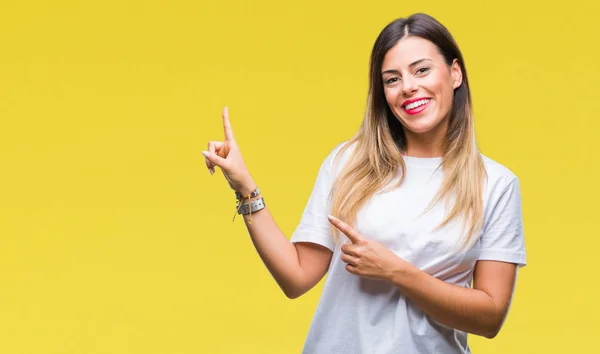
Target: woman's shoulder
column 338, row 155
column 498, row 175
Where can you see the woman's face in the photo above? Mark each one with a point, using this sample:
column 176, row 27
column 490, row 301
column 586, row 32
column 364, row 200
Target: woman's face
column 419, row 85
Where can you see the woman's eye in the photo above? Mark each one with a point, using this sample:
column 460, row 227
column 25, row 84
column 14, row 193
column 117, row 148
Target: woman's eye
column 422, row 70
column 391, row 81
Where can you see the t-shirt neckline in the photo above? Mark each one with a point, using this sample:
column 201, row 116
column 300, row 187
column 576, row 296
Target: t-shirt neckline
column 423, row 161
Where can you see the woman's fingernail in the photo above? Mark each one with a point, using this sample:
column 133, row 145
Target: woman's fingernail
column 212, row 171
column 205, row 153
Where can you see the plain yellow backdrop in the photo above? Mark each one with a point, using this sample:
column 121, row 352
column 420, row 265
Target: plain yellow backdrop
column 116, row 239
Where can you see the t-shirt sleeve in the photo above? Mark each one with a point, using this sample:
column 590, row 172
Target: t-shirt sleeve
column 503, row 238
column 314, row 226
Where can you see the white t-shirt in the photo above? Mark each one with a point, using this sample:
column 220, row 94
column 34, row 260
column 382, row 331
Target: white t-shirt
column 367, row 316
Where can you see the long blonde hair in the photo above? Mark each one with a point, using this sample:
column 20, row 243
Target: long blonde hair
column 380, row 140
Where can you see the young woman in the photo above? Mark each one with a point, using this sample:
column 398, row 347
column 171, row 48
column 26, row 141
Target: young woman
column 431, row 216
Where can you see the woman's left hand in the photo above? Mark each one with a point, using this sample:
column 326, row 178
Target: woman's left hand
column 367, row 258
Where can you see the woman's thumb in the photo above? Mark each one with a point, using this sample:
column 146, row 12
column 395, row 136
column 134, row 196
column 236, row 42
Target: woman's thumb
column 214, row 158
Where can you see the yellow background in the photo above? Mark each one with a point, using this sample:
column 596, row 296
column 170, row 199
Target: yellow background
column 115, row 238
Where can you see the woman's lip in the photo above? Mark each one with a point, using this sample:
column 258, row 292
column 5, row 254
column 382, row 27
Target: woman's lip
column 418, row 109
column 412, row 100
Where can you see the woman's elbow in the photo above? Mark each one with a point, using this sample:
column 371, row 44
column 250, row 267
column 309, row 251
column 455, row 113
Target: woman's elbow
column 493, row 329
column 292, row 292
column 491, row 334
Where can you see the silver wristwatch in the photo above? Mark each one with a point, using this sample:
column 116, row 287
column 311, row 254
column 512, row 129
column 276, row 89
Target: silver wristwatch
column 254, row 205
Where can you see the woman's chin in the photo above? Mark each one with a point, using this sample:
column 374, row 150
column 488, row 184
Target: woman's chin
column 419, row 128
column 421, row 125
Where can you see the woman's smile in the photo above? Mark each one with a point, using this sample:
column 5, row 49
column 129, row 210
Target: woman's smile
column 416, row 106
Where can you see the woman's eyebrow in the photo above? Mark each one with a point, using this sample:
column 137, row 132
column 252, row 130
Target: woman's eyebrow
column 416, row 62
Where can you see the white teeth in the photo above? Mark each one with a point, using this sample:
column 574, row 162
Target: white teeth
column 416, row 104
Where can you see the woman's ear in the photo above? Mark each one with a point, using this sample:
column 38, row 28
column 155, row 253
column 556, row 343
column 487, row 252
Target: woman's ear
column 456, row 73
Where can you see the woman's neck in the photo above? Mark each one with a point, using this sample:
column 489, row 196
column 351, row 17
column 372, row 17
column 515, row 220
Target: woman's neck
column 428, row 144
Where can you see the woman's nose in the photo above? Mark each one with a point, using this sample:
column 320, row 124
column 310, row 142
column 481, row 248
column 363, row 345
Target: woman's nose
column 409, row 86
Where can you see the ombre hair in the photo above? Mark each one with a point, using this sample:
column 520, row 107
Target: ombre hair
column 380, row 141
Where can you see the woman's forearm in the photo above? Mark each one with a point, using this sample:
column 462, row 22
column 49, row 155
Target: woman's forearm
column 277, row 253
column 465, row 309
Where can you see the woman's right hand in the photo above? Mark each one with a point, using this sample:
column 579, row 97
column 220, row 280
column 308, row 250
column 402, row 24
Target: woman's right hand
column 227, row 156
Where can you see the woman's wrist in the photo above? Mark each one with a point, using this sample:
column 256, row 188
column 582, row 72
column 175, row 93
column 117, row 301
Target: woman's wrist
column 247, row 187
column 248, row 199
column 401, row 273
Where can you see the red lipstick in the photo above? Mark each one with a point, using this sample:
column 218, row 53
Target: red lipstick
column 418, row 109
